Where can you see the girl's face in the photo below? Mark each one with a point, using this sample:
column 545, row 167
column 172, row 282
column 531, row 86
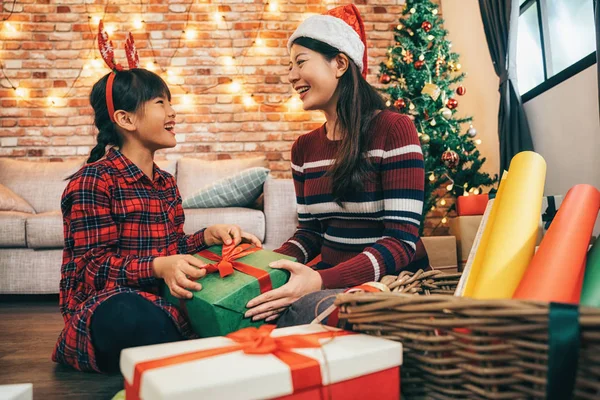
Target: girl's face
column 314, row 78
column 155, row 124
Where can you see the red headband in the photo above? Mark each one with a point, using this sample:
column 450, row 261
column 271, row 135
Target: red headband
column 108, row 55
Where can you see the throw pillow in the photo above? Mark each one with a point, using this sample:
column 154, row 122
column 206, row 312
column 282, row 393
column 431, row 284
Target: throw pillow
column 10, row 201
column 240, row 190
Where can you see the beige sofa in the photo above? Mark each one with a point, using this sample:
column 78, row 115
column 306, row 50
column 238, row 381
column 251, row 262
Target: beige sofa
column 31, row 242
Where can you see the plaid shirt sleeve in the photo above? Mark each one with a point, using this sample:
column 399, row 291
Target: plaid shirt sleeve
column 95, row 237
column 186, row 244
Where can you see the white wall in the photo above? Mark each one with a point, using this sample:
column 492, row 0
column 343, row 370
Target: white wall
column 465, row 30
column 565, row 128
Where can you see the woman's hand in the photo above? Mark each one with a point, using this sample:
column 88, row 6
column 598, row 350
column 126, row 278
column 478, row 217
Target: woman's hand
column 270, row 305
column 180, row 273
column 225, row 234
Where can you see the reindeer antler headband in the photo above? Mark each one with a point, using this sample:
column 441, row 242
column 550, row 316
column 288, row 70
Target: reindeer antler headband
column 108, row 55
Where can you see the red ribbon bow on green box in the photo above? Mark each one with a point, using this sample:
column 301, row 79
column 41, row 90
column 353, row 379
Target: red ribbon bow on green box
column 226, row 263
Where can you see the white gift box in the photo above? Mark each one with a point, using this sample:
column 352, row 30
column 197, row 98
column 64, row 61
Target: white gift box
column 22, row 391
column 348, row 364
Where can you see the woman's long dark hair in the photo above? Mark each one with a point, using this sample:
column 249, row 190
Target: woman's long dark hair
column 356, row 107
column 131, row 89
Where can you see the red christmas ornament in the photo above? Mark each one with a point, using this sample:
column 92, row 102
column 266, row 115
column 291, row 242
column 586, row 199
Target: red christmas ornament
column 452, row 103
column 385, row 78
column 419, row 64
column 426, row 25
column 400, row 104
column 450, row 159
column 461, row 90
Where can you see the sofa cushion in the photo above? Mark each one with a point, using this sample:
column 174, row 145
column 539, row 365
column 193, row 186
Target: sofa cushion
column 194, row 174
column 251, row 221
column 239, row 190
column 45, row 230
column 10, row 201
column 12, row 233
column 169, row 166
column 28, row 271
column 41, row 184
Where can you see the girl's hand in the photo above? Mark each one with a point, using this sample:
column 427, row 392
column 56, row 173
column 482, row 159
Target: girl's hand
column 270, row 305
column 180, row 273
column 225, row 234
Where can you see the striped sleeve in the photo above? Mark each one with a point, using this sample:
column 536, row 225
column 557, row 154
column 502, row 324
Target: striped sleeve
column 403, row 181
column 308, row 238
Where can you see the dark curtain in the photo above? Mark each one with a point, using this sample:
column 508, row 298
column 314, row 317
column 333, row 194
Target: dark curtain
column 500, row 22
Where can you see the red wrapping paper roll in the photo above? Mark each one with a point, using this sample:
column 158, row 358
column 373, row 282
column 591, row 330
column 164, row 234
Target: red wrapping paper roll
column 556, row 271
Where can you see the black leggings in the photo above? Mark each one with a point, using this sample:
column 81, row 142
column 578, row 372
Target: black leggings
column 128, row 320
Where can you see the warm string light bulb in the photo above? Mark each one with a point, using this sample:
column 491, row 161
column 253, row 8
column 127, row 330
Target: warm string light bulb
column 52, row 101
column 450, row 187
column 138, row 23
column 186, row 99
column 443, row 202
column 151, row 66
column 190, row 34
column 217, row 16
column 476, row 191
column 10, row 28
column 110, row 29
column 229, row 61
column 260, row 42
column 431, row 177
column 273, row 6
column 294, row 103
column 21, row 92
column 96, row 63
column 235, row 87
column 444, row 220
column 248, row 100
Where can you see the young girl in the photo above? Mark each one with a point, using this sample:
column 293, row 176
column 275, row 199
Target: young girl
column 359, row 178
column 123, row 228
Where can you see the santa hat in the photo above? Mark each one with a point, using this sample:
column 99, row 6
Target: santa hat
column 341, row 27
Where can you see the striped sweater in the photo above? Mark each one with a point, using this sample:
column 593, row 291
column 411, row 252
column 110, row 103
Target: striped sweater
column 375, row 233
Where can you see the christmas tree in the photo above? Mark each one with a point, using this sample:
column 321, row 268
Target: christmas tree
column 421, row 77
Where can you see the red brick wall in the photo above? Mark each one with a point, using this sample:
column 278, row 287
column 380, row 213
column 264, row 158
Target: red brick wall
column 47, row 51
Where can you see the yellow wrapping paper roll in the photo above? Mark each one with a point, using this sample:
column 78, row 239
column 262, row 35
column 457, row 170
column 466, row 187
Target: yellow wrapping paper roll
column 511, row 244
column 485, row 237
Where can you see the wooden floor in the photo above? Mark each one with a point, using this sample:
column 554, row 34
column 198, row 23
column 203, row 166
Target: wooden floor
column 29, row 327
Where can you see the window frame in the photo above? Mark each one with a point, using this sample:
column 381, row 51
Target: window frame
column 570, row 71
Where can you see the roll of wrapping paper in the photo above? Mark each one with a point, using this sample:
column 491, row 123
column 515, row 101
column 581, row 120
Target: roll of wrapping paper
column 556, row 271
column 511, row 243
column 472, row 269
column 590, row 294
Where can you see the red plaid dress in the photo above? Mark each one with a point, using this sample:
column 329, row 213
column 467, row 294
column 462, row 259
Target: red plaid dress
column 116, row 221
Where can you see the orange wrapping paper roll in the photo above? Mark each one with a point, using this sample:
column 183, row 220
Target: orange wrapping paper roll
column 556, row 271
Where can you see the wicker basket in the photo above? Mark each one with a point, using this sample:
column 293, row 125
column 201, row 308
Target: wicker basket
column 461, row 348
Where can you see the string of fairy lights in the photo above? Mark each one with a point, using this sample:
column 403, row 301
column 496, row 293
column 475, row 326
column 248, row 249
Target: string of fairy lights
column 93, row 66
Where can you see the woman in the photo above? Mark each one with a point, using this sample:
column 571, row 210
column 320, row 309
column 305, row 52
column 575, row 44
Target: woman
column 359, row 178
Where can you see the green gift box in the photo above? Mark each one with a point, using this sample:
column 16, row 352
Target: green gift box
column 218, row 309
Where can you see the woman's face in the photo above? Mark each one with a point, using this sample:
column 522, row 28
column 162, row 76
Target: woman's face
column 314, row 78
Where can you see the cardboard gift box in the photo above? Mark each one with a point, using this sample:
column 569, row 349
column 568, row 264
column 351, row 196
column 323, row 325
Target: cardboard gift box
column 234, row 279
column 473, row 204
column 441, row 251
column 301, row 362
column 464, row 228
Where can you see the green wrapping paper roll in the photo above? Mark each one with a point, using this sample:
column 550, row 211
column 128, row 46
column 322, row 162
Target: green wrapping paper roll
column 590, row 294
column 512, row 243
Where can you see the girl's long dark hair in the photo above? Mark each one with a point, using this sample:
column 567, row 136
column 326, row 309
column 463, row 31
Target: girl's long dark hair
column 131, row 89
column 357, row 105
